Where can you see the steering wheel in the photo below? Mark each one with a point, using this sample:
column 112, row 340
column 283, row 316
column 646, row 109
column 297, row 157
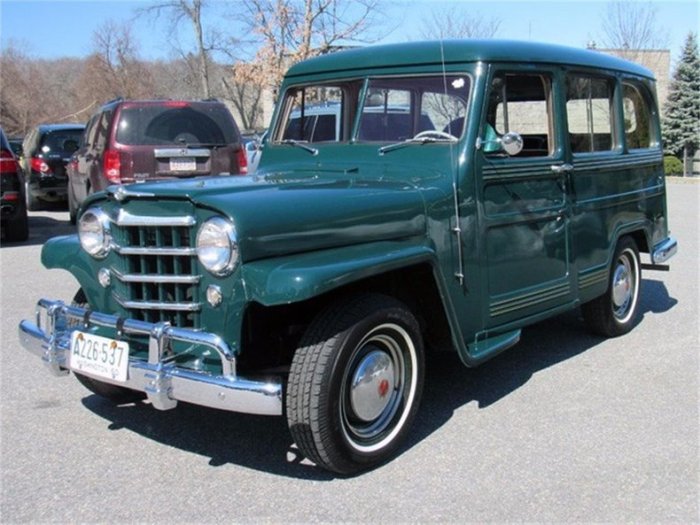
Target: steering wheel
column 435, row 133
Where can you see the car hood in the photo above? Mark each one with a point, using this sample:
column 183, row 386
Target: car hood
column 298, row 211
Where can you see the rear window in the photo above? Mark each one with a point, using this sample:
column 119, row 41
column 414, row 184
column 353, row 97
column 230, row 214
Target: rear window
column 61, row 142
column 187, row 125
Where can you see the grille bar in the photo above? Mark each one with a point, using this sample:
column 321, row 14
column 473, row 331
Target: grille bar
column 155, row 278
column 158, row 305
column 124, row 218
column 152, row 250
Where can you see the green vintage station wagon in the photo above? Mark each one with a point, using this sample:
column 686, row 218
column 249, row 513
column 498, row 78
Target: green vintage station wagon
column 412, row 197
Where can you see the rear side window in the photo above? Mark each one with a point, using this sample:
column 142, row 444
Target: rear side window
column 589, row 113
column 637, row 114
column 182, row 125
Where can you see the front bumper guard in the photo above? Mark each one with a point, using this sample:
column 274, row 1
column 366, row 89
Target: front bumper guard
column 164, row 383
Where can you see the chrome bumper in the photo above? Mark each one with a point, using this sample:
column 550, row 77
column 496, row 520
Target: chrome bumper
column 663, row 251
column 163, row 382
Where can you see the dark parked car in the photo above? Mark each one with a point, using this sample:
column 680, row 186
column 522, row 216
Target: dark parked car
column 16, row 145
column 129, row 141
column 14, row 210
column 47, row 149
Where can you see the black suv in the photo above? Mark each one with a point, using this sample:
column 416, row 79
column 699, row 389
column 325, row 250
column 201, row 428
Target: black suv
column 47, row 149
column 131, row 141
column 14, row 212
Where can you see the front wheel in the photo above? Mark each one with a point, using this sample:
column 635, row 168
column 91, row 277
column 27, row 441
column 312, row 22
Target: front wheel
column 615, row 312
column 355, row 383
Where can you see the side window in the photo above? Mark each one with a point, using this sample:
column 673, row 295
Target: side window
column 88, row 135
column 520, row 103
column 101, row 130
column 589, row 113
column 637, row 115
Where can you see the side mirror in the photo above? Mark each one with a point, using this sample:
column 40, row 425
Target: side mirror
column 512, row 143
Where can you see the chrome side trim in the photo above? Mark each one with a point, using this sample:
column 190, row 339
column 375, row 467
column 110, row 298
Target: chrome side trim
column 181, row 152
column 158, row 305
column 155, row 278
column 124, row 218
column 182, row 252
column 164, row 383
column 663, row 251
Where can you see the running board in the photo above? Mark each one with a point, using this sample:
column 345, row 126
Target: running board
column 489, row 347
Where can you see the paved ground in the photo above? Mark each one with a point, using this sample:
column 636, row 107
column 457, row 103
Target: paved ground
column 563, row 427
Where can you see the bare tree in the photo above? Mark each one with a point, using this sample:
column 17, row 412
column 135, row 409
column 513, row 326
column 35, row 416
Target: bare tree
column 632, row 28
column 114, row 68
column 292, row 30
column 245, row 93
column 459, row 22
column 23, row 99
column 207, row 40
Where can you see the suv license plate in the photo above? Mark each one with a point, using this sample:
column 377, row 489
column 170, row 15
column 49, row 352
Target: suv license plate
column 183, row 164
column 99, row 356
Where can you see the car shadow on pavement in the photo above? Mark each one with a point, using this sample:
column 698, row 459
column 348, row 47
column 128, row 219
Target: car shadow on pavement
column 43, row 226
column 265, row 444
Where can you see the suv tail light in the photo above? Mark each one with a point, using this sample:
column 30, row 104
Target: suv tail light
column 40, row 166
column 242, row 161
column 112, row 166
column 8, row 164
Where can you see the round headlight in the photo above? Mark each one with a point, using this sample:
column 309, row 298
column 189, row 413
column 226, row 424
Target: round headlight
column 93, row 230
column 217, row 246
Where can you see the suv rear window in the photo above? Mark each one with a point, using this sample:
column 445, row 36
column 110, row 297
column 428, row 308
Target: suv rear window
column 190, row 125
column 61, row 142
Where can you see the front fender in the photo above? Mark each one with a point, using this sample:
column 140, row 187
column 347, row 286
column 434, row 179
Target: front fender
column 299, row 277
column 65, row 253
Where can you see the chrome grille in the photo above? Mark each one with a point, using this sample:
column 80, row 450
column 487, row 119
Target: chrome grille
column 155, row 277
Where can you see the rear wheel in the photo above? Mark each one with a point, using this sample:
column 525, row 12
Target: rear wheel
column 615, row 312
column 116, row 394
column 355, row 383
column 17, row 230
column 33, row 203
column 72, row 206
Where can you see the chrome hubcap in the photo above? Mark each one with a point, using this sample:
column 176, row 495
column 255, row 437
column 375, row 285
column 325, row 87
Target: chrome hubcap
column 372, row 385
column 624, row 287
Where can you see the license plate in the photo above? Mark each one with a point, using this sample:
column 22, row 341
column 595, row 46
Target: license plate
column 183, row 164
column 99, row 356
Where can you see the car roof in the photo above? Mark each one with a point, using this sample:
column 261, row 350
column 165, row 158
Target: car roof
column 461, row 51
column 160, row 102
column 44, row 128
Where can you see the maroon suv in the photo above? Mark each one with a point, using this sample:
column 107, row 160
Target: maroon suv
column 131, row 141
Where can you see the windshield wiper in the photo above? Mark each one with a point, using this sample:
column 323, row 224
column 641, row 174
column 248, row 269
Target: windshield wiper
column 296, row 143
column 413, row 140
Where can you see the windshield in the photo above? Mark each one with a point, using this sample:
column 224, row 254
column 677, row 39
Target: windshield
column 393, row 109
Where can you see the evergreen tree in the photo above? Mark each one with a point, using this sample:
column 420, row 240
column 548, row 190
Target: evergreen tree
column 682, row 120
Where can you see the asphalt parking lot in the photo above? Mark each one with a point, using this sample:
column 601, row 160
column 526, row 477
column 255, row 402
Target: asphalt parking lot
column 564, row 427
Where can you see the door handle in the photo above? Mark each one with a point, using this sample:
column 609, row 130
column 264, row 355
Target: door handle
column 562, row 168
